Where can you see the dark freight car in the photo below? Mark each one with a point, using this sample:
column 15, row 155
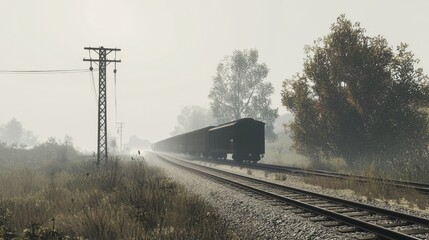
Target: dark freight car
column 244, row 139
column 195, row 143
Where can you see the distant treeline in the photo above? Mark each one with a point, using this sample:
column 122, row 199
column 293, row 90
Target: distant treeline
column 49, row 151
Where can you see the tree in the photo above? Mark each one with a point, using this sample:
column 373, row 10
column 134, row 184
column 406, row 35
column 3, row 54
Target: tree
column 239, row 90
column 356, row 98
column 137, row 143
column 192, row 118
column 66, row 150
column 112, row 144
column 13, row 132
column 55, row 150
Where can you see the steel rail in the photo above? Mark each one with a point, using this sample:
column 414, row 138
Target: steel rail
column 359, row 224
column 417, row 186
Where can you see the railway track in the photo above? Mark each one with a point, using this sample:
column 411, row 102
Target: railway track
column 362, row 220
column 417, row 186
column 420, row 187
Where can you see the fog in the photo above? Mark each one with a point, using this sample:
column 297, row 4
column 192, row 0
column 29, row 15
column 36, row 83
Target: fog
column 170, row 50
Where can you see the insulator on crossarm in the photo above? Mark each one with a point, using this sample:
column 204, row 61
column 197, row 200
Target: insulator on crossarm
column 91, row 68
column 114, row 71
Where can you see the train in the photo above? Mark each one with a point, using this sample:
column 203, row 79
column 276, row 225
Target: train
column 243, row 138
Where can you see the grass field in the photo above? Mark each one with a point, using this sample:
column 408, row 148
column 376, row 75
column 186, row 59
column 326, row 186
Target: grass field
column 279, row 152
column 120, row 200
column 374, row 190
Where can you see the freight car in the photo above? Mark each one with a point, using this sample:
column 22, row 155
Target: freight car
column 194, row 143
column 243, row 138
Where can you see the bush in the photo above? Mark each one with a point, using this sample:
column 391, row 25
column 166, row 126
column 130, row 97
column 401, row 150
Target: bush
column 116, row 201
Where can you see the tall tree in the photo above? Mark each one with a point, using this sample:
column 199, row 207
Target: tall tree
column 239, row 90
column 192, row 118
column 358, row 98
column 14, row 133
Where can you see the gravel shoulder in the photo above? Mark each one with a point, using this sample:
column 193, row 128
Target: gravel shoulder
column 250, row 215
column 297, row 181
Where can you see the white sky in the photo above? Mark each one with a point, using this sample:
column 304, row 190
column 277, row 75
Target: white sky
column 170, row 50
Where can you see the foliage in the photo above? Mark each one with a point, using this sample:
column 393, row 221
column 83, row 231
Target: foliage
column 13, row 133
column 137, row 143
column 239, row 90
column 373, row 190
column 112, row 145
column 116, row 201
column 192, row 118
column 359, row 99
column 48, row 152
column 279, row 152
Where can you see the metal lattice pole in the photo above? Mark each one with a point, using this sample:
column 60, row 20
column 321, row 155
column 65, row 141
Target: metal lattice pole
column 102, row 62
column 102, row 108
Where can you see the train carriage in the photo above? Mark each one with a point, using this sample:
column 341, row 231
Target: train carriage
column 196, row 142
column 243, row 138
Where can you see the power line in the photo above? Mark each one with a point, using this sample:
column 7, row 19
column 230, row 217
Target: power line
column 93, row 86
column 49, row 71
column 116, row 98
column 120, row 132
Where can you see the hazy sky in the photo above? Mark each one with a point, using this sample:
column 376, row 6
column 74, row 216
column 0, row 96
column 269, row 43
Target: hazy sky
column 170, row 50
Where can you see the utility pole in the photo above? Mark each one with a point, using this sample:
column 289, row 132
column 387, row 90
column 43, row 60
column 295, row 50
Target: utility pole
column 102, row 62
column 120, row 132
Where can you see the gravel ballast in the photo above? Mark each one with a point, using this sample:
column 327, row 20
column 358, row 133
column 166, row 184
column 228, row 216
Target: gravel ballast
column 251, row 216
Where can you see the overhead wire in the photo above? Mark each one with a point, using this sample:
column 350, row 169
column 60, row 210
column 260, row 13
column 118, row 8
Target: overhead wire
column 57, row 71
column 49, row 71
column 116, row 101
column 93, row 86
column 92, row 78
column 70, row 71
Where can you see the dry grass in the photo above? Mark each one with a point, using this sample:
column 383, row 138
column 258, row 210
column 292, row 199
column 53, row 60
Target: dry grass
column 373, row 190
column 279, row 152
column 280, row 176
column 118, row 201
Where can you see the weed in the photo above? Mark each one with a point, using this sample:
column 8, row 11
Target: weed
column 280, row 176
column 372, row 190
column 116, row 201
